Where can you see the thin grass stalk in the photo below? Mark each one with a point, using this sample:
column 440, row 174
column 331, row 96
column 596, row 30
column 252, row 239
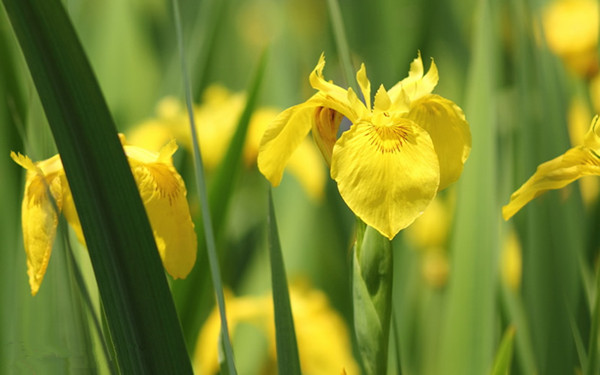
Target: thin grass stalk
column 593, row 365
column 339, row 33
column 202, row 193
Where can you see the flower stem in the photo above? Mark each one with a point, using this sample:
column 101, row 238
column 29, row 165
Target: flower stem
column 372, row 292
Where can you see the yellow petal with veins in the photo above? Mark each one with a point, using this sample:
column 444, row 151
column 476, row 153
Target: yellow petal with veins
column 449, row 131
column 281, row 139
column 387, row 175
column 164, row 194
column 39, row 217
column 554, row 174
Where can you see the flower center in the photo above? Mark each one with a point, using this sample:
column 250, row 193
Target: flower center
column 387, row 139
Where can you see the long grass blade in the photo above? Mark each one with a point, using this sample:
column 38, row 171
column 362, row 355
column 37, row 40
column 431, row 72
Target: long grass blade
column 191, row 306
column 505, row 353
column 130, row 276
column 288, row 360
column 202, row 193
column 468, row 337
column 339, row 33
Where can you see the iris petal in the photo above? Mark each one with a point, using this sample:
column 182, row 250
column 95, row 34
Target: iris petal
column 449, row 131
column 39, row 217
column 554, row 174
column 281, row 139
column 394, row 179
column 164, row 196
column 416, row 84
column 365, row 84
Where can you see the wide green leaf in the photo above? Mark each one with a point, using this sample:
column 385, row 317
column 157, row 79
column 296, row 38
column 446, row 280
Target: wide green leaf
column 128, row 270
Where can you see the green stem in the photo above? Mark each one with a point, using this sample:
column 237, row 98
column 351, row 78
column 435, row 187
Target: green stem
column 372, row 298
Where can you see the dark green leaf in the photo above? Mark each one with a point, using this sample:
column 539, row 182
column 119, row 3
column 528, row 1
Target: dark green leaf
column 131, row 281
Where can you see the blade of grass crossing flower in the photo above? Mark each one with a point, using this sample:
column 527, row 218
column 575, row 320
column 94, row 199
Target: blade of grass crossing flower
column 202, row 194
column 191, row 305
column 288, row 361
column 505, row 353
column 121, row 246
column 468, row 334
column 339, row 33
column 224, row 181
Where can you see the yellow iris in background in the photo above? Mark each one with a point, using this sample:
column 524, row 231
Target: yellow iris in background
column 162, row 191
column 583, row 160
column 216, row 119
column 324, row 343
column 571, row 32
column 398, row 153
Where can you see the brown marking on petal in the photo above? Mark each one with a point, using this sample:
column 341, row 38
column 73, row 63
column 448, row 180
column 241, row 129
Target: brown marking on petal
column 387, row 139
column 166, row 184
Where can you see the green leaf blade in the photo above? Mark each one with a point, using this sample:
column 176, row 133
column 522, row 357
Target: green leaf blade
column 130, row 277
column 288, row 360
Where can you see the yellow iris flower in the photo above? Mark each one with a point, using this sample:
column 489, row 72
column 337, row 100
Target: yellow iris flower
column 557, row 173
column 162, row 191
column 397, row 155
column 324, row 344
column 571, row 32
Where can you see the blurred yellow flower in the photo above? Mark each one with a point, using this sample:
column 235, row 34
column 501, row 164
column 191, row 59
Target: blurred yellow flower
column 571, row 31
column 396, row 156
column 577, row 162
column 511, row 261
column 162, row 191
column 216, row 120
column 429, row 234
column 323, row 340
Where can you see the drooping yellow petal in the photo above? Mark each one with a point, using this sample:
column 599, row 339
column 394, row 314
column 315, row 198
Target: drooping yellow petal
column 449, row 131
column 39, row 216
column 325, row 129
column 416, row 84
column 554, row 174
column 281, row 139
column 387, row 175
column 163, row 193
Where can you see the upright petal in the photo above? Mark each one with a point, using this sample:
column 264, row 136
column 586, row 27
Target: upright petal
column 554, row 174
column 281, row 138
column 365, row 84
column 387, row 175
column 449, row 131
column 333, row 96
column 416, row 84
